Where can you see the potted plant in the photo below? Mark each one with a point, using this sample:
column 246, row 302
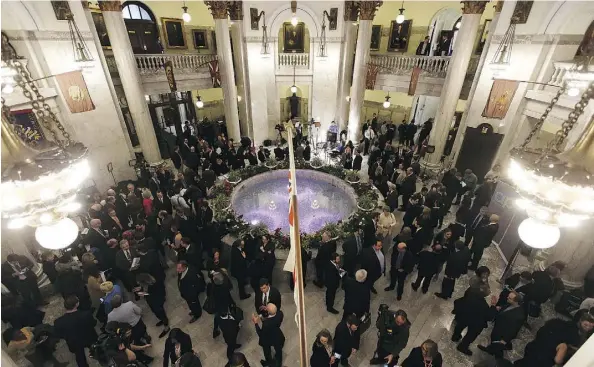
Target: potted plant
column 316, row 163
column 233, row 177
column 367, row 203
column 352, row 177
column 221, row 202
column 271, row 162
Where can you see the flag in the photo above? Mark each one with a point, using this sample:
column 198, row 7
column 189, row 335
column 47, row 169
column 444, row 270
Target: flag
column 372, row 71
column 501, row 95
column 215, row 73
column 414, row 79
column 170, row 76
column 75, row 92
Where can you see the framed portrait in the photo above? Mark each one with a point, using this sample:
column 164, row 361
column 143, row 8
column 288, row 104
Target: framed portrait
column 174, row 32
column 200, row 39
column 294, row 37
column 62, row 10
column 399, row 36
column 484, row 35
column 254, row 19
column 521, row 12
column 101, row 29
column 333, row 19
column 376, row 37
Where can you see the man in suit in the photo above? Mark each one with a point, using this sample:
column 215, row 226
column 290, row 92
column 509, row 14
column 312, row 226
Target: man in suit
column 408, row 187
column 478, row 221
column 352, row 248
column 270, row 335
column 239, row 267
column 77, row 328
column 162, row 202
column 357, row 161
column 124, row 259
column 230, row 329
column 357, row 294
column 472, row 312
column 373, row 261
column 96, row 237
column 347, row 338
column 370, row 230
column 18, row 277
column 458, row 228
column 268, row 294
column 332, row 276
column 279, row 153
column 324, row 256
column 192, row 254
column 508, row 322
column 456, row 266
column 190, row 283
column 424, row 47
column 402, row 263
column 482, row 238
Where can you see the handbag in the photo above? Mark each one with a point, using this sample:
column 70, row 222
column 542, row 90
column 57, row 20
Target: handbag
column 365, row 323
column 209, row 303
column 236, row 312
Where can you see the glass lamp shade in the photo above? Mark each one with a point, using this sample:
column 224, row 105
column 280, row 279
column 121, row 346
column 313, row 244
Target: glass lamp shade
column 294, row 20
column 57, row 235
column 199, row 103
column 186, row 17
column 387, row 104
column 537, row 234
column 400, row 18
column 293, row 89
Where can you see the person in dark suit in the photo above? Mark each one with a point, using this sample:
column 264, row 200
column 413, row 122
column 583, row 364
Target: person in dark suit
column 307, row 151
column 124, row 259
column 239, row 267
column 332, row 276
column 190, row 284
column 370, row 230
column 476, row 222
column 18, row 277
column 373, row 261
column 270, row 335
column 414, row 209
column 472, row 312
column 352, row 248
column 77, row 328
column 456, row 266
column 279, row 153
column 252, row 157
column 508, row 322
column 347, row 338
column 262, row 154
column 428, row 265
column 357, row 294
column 408, row 187
column 176, row 158
column 230, row 329
column 357, row 161
column 162, row 202
column 96, row 237
column 458, row 229
column 177, row 339
column 482, row 239
column 541, row 288
column 192, row 253
column 267, row 294
column 424, row 47
column 322, row 351
column 520, row 282
column 402, row 263
column 324, row 256
column 425, row 355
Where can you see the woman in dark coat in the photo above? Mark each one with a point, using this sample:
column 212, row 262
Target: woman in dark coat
column 425, row 355
column 322, row 351
column 176, row 339
column 239, row 266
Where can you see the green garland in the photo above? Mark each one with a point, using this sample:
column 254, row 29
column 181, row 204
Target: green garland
column 220, row 201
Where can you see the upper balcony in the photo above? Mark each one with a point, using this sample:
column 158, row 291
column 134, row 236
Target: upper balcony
column 191, row 71
column 395, row 71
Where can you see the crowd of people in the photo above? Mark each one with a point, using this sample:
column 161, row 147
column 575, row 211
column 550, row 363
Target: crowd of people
column 134, row 232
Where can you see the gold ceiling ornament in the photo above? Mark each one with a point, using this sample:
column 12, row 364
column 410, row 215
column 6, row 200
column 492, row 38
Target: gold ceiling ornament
column 473, row 7
column 498, row 6
column 367, row 9
column 110, row 5
column 351, row 11
column 219, row 9
column 236, row 10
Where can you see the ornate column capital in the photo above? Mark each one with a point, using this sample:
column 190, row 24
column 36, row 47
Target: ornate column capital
column 367, row 9
column 236, row 10
column 218, row 8
column 498, row 6
column 351, row 11
column 115, row 5
column 473, row 7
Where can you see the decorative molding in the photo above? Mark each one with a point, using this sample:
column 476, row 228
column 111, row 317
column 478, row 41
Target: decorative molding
column 473, row 7
column 218, row 9
column 367, row 9
column 351, row 11
column 236, row 10
column 542, row 39
column 110, row 5
column 45, row 35
column 328, row 39
column 417, row 30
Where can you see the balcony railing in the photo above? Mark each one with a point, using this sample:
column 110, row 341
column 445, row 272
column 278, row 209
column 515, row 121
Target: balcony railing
column 148, row 64
column 299, row 60
column 564, row 71
column 403, row 64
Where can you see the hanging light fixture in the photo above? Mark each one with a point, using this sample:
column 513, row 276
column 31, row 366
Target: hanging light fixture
column 502, row 55
column 79, row 47
column 400, row 17
column 39, row 189
column 387, row 101
column 294, row 20
column 556, row 187
column 186, row 16
column 294, row 87
column 199, row 102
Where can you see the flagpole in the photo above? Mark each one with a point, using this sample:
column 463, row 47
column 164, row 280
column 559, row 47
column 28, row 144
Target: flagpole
column 303, row 350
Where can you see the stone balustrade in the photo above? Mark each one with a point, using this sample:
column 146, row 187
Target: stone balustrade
column 564, row 71
column 154, row 63
column 403, row 64
column 299, row 60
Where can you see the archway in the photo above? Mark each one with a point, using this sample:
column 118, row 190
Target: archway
column 142, row 28
column 291, row 102
column 442, row 25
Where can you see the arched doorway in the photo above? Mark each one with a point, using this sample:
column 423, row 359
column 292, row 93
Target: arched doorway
column 142, row 28
column 294, row 102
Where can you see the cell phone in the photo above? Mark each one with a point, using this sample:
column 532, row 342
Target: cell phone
column 337, row 356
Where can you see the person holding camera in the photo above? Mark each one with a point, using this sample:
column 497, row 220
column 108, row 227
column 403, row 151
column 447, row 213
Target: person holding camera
column 393, row 331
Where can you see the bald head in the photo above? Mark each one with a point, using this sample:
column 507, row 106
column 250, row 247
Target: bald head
column 402, row 246
column 494, row 218
column 96, row 223
column 271, row 308
column 111, row 192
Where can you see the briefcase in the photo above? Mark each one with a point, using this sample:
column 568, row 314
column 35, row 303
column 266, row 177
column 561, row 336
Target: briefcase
column 365, row 323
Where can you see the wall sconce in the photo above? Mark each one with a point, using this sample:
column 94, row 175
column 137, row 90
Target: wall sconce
column 332, row 19
column 199, row 102
column 185, row 15
column 400, row 17
column 255, row 21
column 387, row 101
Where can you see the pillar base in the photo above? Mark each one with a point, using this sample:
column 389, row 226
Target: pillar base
column 430, row 169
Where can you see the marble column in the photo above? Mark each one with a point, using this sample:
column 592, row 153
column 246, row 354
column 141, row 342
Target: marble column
column 477, row 75
column 345, row 71
column 241, row 63
column 182, row 109
column 366, row 14
column 472, row 11
column 130, row 77
column 219, row 13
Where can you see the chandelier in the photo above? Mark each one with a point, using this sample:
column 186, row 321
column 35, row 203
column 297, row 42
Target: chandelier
column 556, row 188
column 39, row 187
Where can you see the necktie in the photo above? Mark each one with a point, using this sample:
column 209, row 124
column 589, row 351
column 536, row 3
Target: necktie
column 477, row 221
column 265, row 299
column 128, row 255
column 358, row 244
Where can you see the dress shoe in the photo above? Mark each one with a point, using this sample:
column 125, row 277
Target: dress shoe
column 424, row 291
column 193, row 319
column 414, row 288
column 389, row 289
column 399, row 297
column 332, row 310
column 373, row 290
column 440, row 295
column 456, row 338
column 245, row 297
column 264, row 363
column 484, row 349
column 216, row 333
column 465, row 351
column 164, row 332
column 160, row 323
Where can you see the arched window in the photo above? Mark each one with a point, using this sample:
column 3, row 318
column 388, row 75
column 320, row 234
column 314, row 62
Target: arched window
column 142, row 28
